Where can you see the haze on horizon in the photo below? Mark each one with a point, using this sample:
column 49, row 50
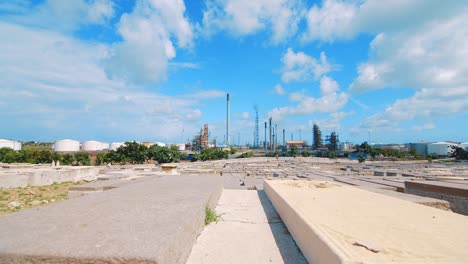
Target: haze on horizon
column 157, row 70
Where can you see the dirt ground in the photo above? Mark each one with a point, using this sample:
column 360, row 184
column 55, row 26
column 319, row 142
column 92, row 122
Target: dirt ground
column 15, row 199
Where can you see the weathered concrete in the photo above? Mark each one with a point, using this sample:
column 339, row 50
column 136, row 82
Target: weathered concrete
column 250, row 232
column 153, row 221
column 327, row 220
column 455, row 194
column 39, row 175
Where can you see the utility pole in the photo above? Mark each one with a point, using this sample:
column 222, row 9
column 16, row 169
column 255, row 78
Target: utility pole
column 264, row 142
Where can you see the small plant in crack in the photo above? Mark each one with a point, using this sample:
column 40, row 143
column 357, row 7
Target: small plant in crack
column 211, row 216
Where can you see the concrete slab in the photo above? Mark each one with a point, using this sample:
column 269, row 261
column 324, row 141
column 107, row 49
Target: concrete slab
column 250, row 232
column 327, row 220
column 154, row 221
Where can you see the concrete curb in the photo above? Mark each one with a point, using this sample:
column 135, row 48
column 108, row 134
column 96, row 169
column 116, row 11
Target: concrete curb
column 314, row 245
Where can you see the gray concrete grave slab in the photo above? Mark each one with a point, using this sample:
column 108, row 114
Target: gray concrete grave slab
column 154, row 221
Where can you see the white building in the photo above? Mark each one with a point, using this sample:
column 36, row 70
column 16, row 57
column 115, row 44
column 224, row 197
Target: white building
column 441, row 148
column 160, row 144
column 93, row 145
column 67, row 145
column 5, row 143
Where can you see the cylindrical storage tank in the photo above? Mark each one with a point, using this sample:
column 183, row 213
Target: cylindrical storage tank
column 160, row 144
column 104, row 145
column 116, row 145
column 464, row 145
column 67, row 145
column 91, row 145
column 181, row 147
column 15, row 145
column 440, row 148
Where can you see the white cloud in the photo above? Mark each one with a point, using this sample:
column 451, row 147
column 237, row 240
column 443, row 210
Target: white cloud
column 142, row 57
column 331, row 123
column 332, row 20
column 432, row 56
column 48, row 93
column 279, row 90
column 341, row 20
column 426, row 126
column 245, row 17
column 328, row 85
column 302, row 67
column 245, row 115
column 61, row 15
column 330, row 101
column 425, row 104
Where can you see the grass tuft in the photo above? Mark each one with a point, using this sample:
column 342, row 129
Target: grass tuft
column 211, row 216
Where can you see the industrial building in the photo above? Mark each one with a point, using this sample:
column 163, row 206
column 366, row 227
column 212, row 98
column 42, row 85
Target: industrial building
column 5, row 143
column 298, row 143
column 441, row 148
column 66, row 145
column 419, row 147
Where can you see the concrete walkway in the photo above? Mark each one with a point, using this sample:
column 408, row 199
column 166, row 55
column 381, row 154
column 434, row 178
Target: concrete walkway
column 250, row 232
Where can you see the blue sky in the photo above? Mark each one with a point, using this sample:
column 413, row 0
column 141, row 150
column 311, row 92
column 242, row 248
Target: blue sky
column 157, row 70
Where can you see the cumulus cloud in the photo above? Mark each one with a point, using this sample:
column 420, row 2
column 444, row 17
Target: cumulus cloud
column 301, row 67
column 328, row 85
column 330, row 101
column 341, row 20
column 332, row 122
column 142, row 57
column 48, row 93
column 61, row 15
column 279, row 90
column 245, row 17
column 433, row 56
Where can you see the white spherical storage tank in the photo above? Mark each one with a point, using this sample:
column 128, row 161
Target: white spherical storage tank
column 67, row 145
column 116, row 145
column 5, row 143
column 441, row 148
column 92, row 145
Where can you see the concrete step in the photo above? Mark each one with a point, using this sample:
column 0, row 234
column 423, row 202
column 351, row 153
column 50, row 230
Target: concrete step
column 250, row 231
column 334, row 223
column 153, row 221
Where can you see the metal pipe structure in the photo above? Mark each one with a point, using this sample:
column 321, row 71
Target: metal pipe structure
column 276, row 136
column 264, row 142
column 284, row 137
column 227, row 120
column 271, row 146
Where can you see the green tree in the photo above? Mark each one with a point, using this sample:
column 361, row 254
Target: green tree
column 317, row 137
column 459, row 153
column 13, row 157
column 4, row 151
column 113, row 157
column 361, row 159
column 82, row 158
column 294, row 151
column 67, row 159
column 99, row 159
column 164, row 154
column 133, row 152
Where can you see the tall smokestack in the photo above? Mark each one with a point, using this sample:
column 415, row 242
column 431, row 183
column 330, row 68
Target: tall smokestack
column 228, row 120
column 271, row 146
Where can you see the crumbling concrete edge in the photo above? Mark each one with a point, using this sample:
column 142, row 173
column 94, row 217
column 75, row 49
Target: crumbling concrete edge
column 315, row 247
